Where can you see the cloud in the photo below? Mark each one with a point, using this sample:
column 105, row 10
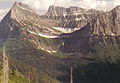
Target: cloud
column 42, row 5
column 38, row 4
column 3, row 12
column 89, row 4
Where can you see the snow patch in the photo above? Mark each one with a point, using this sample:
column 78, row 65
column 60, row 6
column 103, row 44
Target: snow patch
column 112, row 34
column 47, row 36
column 64, row 14
column 104, row 34
column 54, row 51
column 63, row 30
column 43, row 35
column 49, row 51
column 66, row 30
column 77, row 19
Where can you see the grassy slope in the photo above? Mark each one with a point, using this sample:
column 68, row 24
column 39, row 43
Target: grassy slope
column 102, row 63
column 104, row 69
column 17, row 77
column 19, row 48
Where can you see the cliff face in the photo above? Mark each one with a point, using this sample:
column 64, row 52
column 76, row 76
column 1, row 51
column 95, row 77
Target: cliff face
column 69, row 33
column 104, row 28
column 23, row 22
column 72, row 17
column 103, row 24
column 76, row 30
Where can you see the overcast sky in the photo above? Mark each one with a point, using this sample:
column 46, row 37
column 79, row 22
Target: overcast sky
column 42, row 5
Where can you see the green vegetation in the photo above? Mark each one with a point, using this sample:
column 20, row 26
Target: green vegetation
column 46, row 41
column 101, row 64
column 14, row 76
column 18, row 78
column 25, row 58
column 103, row 68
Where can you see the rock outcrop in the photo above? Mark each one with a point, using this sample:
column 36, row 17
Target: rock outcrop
column 104, row 28
column 65, row 29
column 72, row 17
column 22, row 22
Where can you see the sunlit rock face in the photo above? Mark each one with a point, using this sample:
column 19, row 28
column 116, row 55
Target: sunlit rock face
column 23, row 22
column 104, row 28
column 61, row 29
column 72, row 17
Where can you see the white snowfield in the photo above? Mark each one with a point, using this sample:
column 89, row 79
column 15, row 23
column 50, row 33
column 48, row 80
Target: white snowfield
column 60, row 29
column 77, row 19
column 47, row 36
column 49, row 51
column 65, row 30
column 44, row 35
column 112, row 34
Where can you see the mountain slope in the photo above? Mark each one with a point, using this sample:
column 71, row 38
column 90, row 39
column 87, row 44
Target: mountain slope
column 42, row 52
column 104, row 28
column 7, row 75
column 21, row 21
column 72, row 18
column 104, row 24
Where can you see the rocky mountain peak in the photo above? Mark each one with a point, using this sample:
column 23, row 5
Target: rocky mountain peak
column 20, row 11
column 117, row 7
column 116, row 11
column 56, row 10
column 104, row 24
column 59, row 11
column 72, row 10
column 75, row 9
column 21, row 6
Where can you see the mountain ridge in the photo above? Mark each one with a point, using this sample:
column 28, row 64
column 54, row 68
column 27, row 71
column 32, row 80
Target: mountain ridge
column 40, row 50
column 22, row 21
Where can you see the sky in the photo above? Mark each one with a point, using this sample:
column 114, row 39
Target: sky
column 41, row 6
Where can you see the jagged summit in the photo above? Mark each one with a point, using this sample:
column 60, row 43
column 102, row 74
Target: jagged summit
column 117, row 7
column 72, row 10
column 59, row 11
column 102, row 25
column 19, row 4
column 22, row 22
column 116, row 10
column 70, row 18
column 21, row 11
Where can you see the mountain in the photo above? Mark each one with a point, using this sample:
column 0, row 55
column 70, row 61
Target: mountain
column 10, row 77
column 104, row 28
column 23, row 32
column 32, row 46
column 72, row 18
column 105, row 24
column 45, row 48
column 23, row 22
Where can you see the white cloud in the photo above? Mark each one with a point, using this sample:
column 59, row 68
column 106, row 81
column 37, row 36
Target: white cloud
column 38, row 4
column 42, row 5
column 89, row 4
column 3, row 12
column 117, row 2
